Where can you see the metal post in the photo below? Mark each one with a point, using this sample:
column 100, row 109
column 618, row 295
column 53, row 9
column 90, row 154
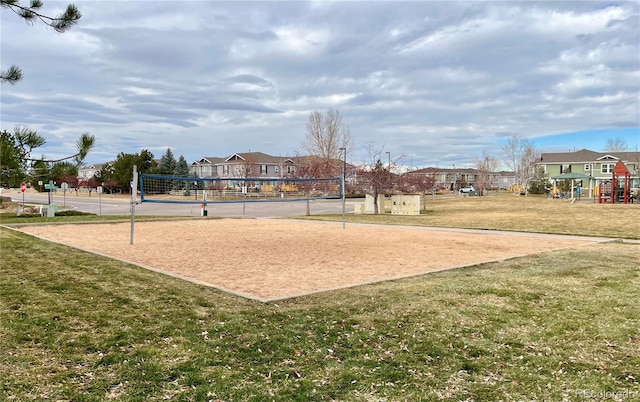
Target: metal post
column 134, row 195
column 243, row 187
column 344, row 177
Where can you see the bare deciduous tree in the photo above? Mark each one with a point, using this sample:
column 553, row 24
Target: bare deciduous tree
column 325, row 135
column 308, row 167
column 248, row 168
column 486, row 165
column 616, row 145
column 520, row 156
column 376, row 177
column 419, row 181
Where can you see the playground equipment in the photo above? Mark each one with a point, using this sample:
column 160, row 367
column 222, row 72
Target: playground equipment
column 618, row 189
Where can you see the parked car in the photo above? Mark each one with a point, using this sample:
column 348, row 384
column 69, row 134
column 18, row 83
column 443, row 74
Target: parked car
column 467, row 189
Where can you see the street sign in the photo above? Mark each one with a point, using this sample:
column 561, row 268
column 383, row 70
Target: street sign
column 23, row 187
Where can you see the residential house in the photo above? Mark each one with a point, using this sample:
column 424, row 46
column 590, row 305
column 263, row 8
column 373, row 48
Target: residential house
column 455, row 178
column 85, row 173
column 598, row 165
column 88, row 171
column 246, row 164
column 206, row 167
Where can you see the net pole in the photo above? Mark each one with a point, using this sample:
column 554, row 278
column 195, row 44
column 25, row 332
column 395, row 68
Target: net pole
column 344, row 208
column 342, row 186
column 134, row 192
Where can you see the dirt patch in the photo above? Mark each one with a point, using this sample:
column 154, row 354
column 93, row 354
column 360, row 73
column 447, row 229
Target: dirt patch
column 268, row 259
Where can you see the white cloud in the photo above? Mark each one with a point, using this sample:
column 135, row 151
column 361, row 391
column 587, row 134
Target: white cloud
column 436, row 81
column 575, row 22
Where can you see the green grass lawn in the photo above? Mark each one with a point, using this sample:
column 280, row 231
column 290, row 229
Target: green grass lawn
column 554, row 326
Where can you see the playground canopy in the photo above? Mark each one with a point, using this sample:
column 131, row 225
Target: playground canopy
column 571, row 176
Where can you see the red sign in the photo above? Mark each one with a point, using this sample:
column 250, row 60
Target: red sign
column 23, row 187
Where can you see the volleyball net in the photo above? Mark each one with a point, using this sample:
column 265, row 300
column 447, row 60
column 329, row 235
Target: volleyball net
column 194, row 190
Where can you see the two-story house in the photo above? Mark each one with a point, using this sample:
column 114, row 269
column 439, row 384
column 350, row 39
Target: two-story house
column 243, row 165
column 453, row 179
column 597, row 165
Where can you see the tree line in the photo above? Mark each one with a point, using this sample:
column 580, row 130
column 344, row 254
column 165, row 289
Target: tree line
column 328, row 139
column 117, row 176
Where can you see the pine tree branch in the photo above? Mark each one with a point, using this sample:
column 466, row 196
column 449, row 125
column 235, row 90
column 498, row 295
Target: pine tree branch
column 11, row 76
column 60, row 24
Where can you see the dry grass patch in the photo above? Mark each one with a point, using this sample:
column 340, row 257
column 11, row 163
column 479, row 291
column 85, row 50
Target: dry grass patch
column 504, row 211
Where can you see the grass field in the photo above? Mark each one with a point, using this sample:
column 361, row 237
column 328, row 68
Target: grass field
column 557, row 326
column 535, row 214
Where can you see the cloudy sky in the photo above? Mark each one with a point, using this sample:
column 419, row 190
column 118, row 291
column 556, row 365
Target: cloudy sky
column 435, row 82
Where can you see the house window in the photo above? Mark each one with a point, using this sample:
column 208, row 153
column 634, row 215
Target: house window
column 587, row 167
column 606, row 168
column 225, row 169
column 565, row 169
column 263, row 169
column 277, row 169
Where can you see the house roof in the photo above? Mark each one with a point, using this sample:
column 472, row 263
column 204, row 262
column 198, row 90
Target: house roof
column 620, row 168
column 585, row 155
column 95, row 166
column 257, row 157
column 434, row 170
column 211, row 159
column 249, row 157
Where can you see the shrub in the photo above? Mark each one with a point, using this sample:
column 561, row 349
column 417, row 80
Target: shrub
column 72, row 212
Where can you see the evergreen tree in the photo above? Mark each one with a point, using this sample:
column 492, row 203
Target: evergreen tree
column 104, row 177
column 146, row 163
column 61, row 170
column 40, row 172
column 182, row 167
column 105, row 173
column 123, row 167
column 12, row 171
column 168, row 163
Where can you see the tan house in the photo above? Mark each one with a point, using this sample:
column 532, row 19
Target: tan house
column 456, row 178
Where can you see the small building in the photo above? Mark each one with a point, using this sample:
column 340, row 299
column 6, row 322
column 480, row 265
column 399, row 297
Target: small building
column 405, row 204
